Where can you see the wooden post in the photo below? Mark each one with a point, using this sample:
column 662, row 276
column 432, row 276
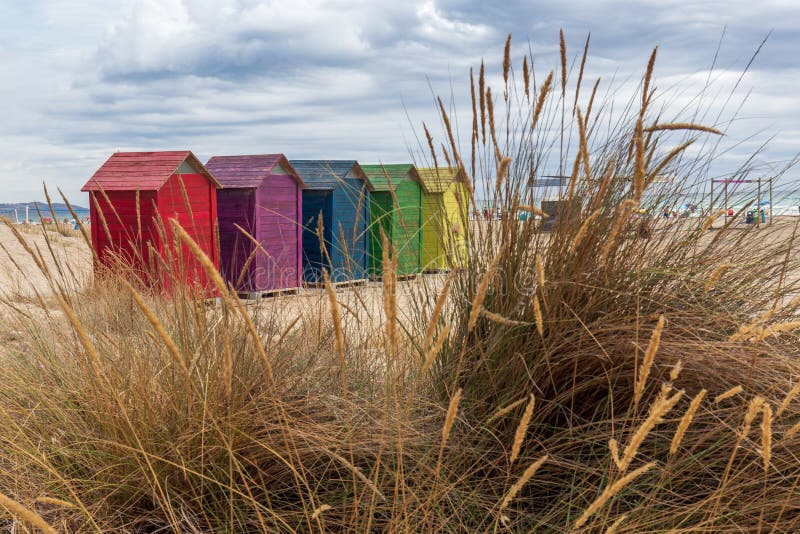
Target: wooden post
column 726, row 202
column 771, row 207
column 758, row 205
column 711, row 208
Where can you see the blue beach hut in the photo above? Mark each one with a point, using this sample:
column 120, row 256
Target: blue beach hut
column 337, row 195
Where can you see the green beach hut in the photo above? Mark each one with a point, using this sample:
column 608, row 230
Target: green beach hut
column 395, row 205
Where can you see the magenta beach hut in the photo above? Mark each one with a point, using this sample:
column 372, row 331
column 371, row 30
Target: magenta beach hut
column 259, row 210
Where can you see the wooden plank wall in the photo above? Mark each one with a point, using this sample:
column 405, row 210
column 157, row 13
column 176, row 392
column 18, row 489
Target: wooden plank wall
column 277, row 220
column 236, row 206
column 315, row 202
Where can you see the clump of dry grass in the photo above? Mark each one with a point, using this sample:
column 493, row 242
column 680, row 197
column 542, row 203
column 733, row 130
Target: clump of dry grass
column 364, row 410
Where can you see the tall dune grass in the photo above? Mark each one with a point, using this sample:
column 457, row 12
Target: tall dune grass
column 598, row 370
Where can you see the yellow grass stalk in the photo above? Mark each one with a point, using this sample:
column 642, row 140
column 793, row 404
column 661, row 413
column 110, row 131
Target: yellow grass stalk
column 613, row 448
column 623, row 212
column 507, row 61
column 251, row 327
column 616, row 524
column 519, row 484
column 533, row 209
column 436, row 348
column 158, row 326
column 83, row 337
column 584, row 146
column 441, row 300
column 728, row 394
column 676, row 371
column 526, row 76
column 682, row 126
column 792, row 431
column 430, row 145
column 81, row 226
column 766, row 435
column 710, row 220
column 591, row 99
column 320, row 510
column 357, row 472
column 54, row 502
column 480, row 293
column 651, row 63
column 546, row 86
column 499, row 319
column 27, row 515
column 563, row 49
column 675, row 152
column 100, row 215
column 647, row 362
column 610, row 491
column 502, row 171
column 24, row 243
column 503, row 411
column 537, row 312
column 660, row 407
column 580, row 73
column 208, row 266
column 490, row 115
column 755, row 406
column 686, row 420
column 540, row 272
column 789, row 326
column 449, row 130
column 449, row 420
column 390, row 292
column 482, row 100
column 474, row 137
column 336, row 318
column 583, row 229
column 716, row 275
column 522, row 429
column 639, row 164
column 227, row 376
column 604, row 183
column 787, row 400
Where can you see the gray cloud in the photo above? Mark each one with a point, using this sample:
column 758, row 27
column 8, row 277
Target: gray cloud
column 318, row 78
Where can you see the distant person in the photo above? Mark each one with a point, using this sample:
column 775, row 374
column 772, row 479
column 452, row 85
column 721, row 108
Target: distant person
column 730, row 212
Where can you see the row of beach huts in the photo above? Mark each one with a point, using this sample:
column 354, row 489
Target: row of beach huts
column 259, row 218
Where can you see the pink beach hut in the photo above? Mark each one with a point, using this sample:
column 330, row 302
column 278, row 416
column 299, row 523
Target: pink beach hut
column 259, row 210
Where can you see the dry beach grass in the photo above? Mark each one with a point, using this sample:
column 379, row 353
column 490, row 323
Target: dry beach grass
column 590, row 378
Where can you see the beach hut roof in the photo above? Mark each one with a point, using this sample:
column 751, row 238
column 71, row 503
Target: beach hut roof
column 438, row 179
column 326, row 173
column 247, row 172
column 144, row 171
column 385, row 177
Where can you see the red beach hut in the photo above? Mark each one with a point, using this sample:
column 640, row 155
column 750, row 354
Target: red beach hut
column 132, row 198
column 261, row 195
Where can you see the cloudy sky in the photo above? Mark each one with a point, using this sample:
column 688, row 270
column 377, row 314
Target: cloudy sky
column 336, row 78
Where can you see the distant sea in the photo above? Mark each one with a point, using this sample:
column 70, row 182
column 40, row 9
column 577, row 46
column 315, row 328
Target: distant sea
column 16, row 212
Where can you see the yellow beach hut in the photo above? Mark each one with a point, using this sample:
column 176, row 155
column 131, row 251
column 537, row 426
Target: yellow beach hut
column 445, row 217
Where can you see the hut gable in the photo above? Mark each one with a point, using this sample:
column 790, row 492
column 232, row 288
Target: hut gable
column 326, row 174
column 438, row 180
column 385, row 177
column 250, row 171
column 144, row 171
